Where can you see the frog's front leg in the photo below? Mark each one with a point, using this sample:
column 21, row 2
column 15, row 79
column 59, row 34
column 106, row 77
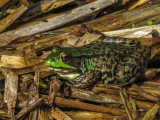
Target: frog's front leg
column 86, row 79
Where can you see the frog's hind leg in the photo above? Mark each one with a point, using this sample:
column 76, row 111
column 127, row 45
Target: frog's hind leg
column 127, row 74
column 131, row 67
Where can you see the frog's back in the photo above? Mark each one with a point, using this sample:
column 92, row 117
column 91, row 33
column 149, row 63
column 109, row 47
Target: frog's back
column 102, row 48
column 112, row 59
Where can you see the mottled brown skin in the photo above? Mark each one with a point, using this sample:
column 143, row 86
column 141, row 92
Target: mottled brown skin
column 108, row 60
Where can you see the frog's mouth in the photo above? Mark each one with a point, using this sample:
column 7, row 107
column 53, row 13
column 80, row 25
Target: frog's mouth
column 67, row 73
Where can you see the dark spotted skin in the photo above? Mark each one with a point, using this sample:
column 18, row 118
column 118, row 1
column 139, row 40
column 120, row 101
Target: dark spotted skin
column 119, row 64
column 111, row 61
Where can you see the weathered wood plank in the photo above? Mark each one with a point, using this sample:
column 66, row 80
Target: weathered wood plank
column 117, row 20
column 55, row 21
column 3, row 2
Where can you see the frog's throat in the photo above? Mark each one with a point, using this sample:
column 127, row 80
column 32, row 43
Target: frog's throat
column 67, row 73
column 65, row 70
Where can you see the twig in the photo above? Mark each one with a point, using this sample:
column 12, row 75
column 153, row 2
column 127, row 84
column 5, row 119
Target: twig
column 32, row 104
column 129, row 105
column 91, row 96
column 151, row 113
column 59, row 115
column 140, row 2
column 144, row 93
column 56, row 21
column 11, row 88
column 86, row 106
column 3, row 2
column 12, row 17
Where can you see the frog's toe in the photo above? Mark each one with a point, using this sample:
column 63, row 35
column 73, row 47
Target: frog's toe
column 125, row 82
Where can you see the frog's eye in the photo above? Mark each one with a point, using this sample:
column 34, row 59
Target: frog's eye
column 64, row 56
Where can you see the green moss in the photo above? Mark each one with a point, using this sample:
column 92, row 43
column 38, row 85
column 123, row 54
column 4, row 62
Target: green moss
column 133, row 25
column 150, row 22
column 38, row 35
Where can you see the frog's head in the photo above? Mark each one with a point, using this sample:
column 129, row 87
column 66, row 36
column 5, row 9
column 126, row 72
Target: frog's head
column 64, row 63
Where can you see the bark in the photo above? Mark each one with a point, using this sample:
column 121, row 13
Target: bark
column 4, row 23
column 86, row 106
column 55, row 21
column 2, row 3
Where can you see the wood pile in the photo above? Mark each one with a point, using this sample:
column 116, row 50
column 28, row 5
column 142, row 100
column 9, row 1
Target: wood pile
column 29, row 30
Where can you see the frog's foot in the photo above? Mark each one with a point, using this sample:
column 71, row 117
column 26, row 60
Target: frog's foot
column 87, row 79
column 130, row 81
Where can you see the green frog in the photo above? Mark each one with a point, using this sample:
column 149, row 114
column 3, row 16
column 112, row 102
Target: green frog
column 108, row 61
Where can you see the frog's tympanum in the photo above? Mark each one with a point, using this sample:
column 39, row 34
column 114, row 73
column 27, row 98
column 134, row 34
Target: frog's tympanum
column 103, row 61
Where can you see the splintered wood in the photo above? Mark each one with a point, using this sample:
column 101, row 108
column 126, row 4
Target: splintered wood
column 29, row 90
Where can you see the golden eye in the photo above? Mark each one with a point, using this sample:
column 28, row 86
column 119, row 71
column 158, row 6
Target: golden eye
column 64, row 56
